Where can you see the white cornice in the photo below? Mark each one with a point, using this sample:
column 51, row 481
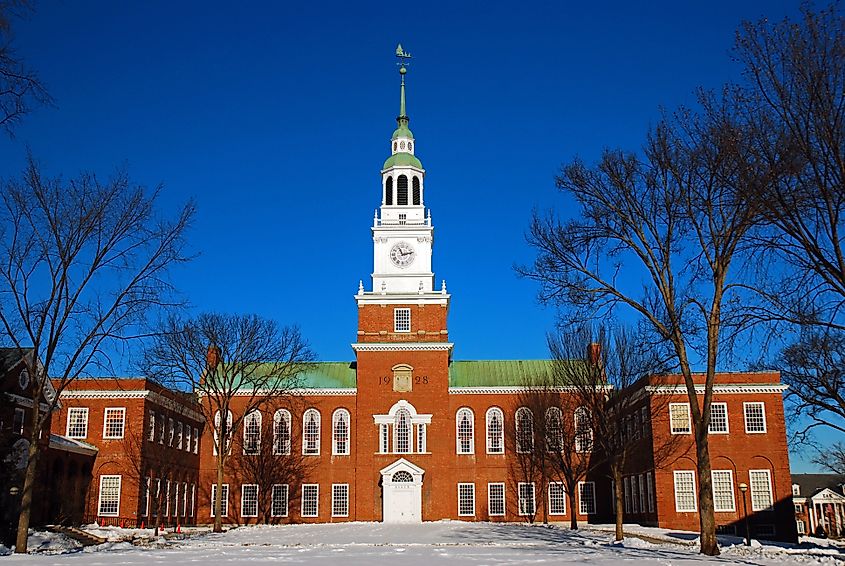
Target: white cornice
column 732, row 388
column 152, row 396
column 302, row 392
column 402, row 346
column 428, row 298
column 514, row 389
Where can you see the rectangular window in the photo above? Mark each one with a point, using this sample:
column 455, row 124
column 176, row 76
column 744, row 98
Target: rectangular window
column 224, row 504
column 384, row 445
column 557, row 499
column 626, row 489
column 646, row 421
column 679, row 418
column 156, row 497
column 723, row 491
column 650, row 487
column 161, row 425
column 635, row 502
column 587, row 498
column 145, row 497
column 109, row 505
column 170, row 432
column 310, row 500
column 755, row 417
column 167, row 498
column 113, row 422
column 279, row 507
column 800, row 526
column 761, row 489
column 179, row 435
column 718, row 418
column 641, row 479
column 466, row 499
column 176, row 499
column 151, row 433
column 196, row 439
column 340, row 500
column 685, row 501
column 184, row 499
column 193, row 497
column 527, row 503
column 421, row 448
column 401, row 320
column 18, row 420
column 77, row 422
column 249, row 500
column 496, row 499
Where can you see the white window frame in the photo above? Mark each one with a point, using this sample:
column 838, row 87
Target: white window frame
column 399, row 325
column 316, row 491
column 745, row 407
column 716, row 507
column 229, row 432
column 83, row 411
column 384, row 438
column 422, row 440
column 305, row 452
column 224, row 501
column 521, row 500
column 671, row 420
column 180, row 433
column 583, row 434
column 243, row 499
column 171, row 431
column 685, row 474
column 19, row 421
column 338, row 416
column 145, row 497
column 649, row 479
column 582, row 508
column 151, row 434
column 710, row 429
column 490, row 499
column 196, row 440
column 562, row 498
column 464, row 411
column 799, row 526
column 100, row 499
column 520, row 447
column 641, row 481
column 771, row 495
column 283, row 488
column 626, row 492
column 253, row 419
column 466, row 490
column 282, row 415
column 340, row 500
column 501, row 433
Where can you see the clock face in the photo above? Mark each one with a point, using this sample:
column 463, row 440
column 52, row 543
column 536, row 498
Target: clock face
column 402, row 254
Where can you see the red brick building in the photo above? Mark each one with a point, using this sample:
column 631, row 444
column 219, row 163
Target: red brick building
column 405, row 433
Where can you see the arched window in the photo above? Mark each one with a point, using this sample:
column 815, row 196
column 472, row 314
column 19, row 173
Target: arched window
column 554, row 429
column 464, row 423
column 252, row 433
column 583, row 430
column 524, row 430
column 495, row 431
column 402, row 190
column 340, row 432
column 311, row 432
column 218, row 429
column 402, row 477
column 388, row 191
column 281, row 432
column 415, row 185
column 402, row 432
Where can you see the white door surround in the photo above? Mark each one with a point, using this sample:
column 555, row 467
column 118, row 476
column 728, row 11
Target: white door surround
column 401, row 484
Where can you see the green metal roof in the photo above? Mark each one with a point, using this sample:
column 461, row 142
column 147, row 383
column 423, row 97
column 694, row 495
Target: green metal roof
column 402, row 159
column 402, row 131
column 496, row 373
column 329, row 375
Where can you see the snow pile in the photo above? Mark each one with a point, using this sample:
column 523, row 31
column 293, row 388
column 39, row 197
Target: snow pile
column 44, row 542
column 4, row 550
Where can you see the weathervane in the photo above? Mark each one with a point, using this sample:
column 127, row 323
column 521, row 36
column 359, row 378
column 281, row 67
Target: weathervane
column 403, row 60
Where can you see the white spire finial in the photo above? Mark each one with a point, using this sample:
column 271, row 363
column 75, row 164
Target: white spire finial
column 443, row 287
column 384, row 287
column 360, row 287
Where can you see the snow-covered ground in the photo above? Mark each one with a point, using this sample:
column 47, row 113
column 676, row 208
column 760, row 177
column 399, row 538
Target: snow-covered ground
column 411, row 545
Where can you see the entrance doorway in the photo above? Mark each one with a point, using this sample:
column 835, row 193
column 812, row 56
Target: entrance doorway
column 401, row 484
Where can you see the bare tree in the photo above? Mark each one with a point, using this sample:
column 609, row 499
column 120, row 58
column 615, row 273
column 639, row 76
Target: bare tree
column 793, row 96
column 20, row 88
column 610, row 421
column 659, row 234
column 82, row 265
column 230, row 361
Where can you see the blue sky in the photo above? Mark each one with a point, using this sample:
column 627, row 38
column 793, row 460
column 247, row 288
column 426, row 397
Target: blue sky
column 277, row 117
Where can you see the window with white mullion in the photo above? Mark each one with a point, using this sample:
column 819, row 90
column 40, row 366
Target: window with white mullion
column 402, row 430
column 224, row 497
column 311, row 432
column 252, row 433
column 761, row 489
column 586, row 498
column 151, row 431
column 402, row 320
column 685, row 498
column 466, row 499
column 755, row 417
column 557, row 499
column 679, row 418
column 77, row 422
column 279, row 500
column 114, row 421
column 310, row 500
column 718, row 418
column 340, row 500
column 650, row 487
column 421, row 438
column 723, row 491
column 526, row 499
column 496, row 499
column 281, row 432
column 109, row 501
column 495, row 431
column 384, row 435
column 524, row 430
column 340, row 432
column 465, row 433
column 249, row 500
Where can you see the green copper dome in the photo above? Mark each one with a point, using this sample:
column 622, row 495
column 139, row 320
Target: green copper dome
column 402, row 131
column 402, row 159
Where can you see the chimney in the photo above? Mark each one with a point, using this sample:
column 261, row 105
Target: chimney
column 212, row 357
column 594, row 353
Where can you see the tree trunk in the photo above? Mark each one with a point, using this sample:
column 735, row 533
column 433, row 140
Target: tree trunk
column 30, row 477
column 573, row 517
column 619, row 498
column 707, row 518
column 218, row 497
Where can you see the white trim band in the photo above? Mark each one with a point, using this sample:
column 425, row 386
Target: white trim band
column 402, row 346
column 734, row 388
